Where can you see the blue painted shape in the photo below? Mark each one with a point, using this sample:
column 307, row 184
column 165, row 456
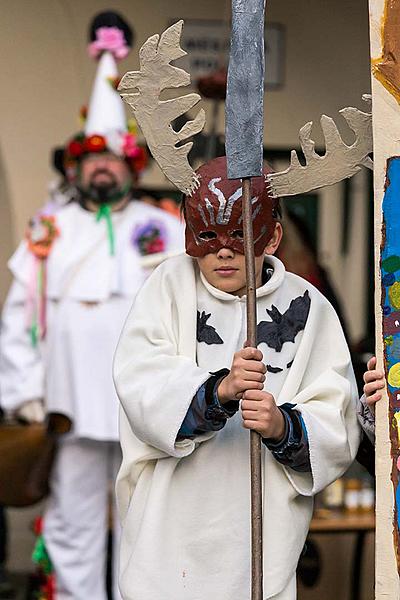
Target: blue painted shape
column 388, row 279
column 391, row 209
column 391, row 250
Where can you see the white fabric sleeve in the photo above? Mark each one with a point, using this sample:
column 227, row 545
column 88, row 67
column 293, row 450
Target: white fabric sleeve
column 154, row 373
column 21, row 365
column 326, row 398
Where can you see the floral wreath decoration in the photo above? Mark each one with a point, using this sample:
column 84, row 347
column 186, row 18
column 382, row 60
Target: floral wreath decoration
column 123, row 144
column 41, row 235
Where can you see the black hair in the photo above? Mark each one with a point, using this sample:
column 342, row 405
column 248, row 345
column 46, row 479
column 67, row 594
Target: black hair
column 277, row 210
column 111, row 19
column 57, row 160
column 182, row 205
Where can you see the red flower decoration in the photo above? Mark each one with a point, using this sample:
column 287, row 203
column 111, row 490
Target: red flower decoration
column 139, row 162
column 157, row 245
column 149, row 238
column 75, row 148
column 95, row 143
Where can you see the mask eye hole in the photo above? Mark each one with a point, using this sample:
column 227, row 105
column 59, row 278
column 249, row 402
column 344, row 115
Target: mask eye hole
column 207, row 235
column 237, row 234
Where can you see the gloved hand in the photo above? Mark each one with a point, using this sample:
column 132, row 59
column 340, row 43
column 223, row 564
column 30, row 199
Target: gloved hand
column 31, row 411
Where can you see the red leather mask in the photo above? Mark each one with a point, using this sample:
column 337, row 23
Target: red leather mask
column 213, row 213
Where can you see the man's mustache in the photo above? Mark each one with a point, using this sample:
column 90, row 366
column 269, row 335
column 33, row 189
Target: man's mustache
column 106, row 172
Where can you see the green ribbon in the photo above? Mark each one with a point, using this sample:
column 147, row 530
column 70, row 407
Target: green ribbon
column 104, row 212
column 41, row 557
column 34, row 329
column 34, row 334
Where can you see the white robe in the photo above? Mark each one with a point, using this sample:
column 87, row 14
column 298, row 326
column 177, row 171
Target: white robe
column 185, row 505
column 89, row 294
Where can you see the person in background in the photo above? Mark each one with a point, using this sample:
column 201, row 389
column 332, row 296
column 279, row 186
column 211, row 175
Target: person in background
column 75, row 276
column 299, row 255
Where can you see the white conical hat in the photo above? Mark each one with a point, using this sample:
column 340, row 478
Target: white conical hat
column 106, row 114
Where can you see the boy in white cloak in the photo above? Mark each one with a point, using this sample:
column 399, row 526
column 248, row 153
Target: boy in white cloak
column 190, row 389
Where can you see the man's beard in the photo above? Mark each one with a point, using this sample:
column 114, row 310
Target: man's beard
column 105, row 191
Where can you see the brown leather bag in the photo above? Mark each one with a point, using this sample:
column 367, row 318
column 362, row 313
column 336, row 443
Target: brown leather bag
column 27, row 452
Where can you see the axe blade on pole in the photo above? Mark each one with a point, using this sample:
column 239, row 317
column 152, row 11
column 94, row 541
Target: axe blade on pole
column 244, row 118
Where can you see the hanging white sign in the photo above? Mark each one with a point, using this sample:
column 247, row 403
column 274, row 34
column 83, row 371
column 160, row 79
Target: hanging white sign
column 207, row 44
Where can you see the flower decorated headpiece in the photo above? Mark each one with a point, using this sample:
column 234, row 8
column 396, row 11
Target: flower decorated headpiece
column 105, row 127
column 124, row 145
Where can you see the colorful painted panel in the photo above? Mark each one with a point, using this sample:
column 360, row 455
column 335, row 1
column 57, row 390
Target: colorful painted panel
column 390, row 272
column 385, row 67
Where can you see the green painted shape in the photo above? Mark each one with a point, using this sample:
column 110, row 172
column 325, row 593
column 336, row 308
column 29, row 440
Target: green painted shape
column 391, row 264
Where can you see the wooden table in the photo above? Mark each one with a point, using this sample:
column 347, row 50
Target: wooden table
column 329, row 521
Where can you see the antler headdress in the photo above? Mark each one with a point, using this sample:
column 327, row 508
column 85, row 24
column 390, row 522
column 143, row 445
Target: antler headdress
column 339, row 162
column 154, row 116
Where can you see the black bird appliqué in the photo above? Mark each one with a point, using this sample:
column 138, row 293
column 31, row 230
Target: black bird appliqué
column 206, row 333
column 284, row 326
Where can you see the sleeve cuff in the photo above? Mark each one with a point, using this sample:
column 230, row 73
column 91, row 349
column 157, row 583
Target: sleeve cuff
column 293, row 432
column 366, row 418
column 216, row 411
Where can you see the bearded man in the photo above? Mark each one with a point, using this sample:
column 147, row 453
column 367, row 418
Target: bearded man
column 75, row 276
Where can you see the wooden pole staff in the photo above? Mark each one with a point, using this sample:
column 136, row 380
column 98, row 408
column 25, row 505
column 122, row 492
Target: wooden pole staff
column 244, row 119
column 255, row 438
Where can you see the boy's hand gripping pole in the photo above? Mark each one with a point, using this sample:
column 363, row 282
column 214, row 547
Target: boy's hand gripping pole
column 244, row 149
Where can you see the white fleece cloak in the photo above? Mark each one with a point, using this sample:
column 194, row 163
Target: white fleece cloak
column 185, row 506
column 89, row 295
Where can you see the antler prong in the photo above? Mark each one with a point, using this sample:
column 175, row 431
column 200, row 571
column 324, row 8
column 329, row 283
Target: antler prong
column 331, row 134
column 192, row 127
column 141, row 91
column 307, row 144
column 339, row 161
column 294, row 160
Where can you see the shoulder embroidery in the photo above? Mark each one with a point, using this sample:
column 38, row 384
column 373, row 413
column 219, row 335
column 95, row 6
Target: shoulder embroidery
column 206, row 333
column 150, row 237
column 284, row 326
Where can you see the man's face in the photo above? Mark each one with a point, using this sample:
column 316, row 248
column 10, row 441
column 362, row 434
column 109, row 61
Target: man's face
column 104, row 177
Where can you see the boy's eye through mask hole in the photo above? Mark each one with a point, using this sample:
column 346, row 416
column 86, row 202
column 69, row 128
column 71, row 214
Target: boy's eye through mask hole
column 208, row 235
column 212, row 235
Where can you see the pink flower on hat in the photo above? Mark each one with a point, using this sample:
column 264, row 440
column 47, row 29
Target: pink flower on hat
column 111, row 39
column 129, row 145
